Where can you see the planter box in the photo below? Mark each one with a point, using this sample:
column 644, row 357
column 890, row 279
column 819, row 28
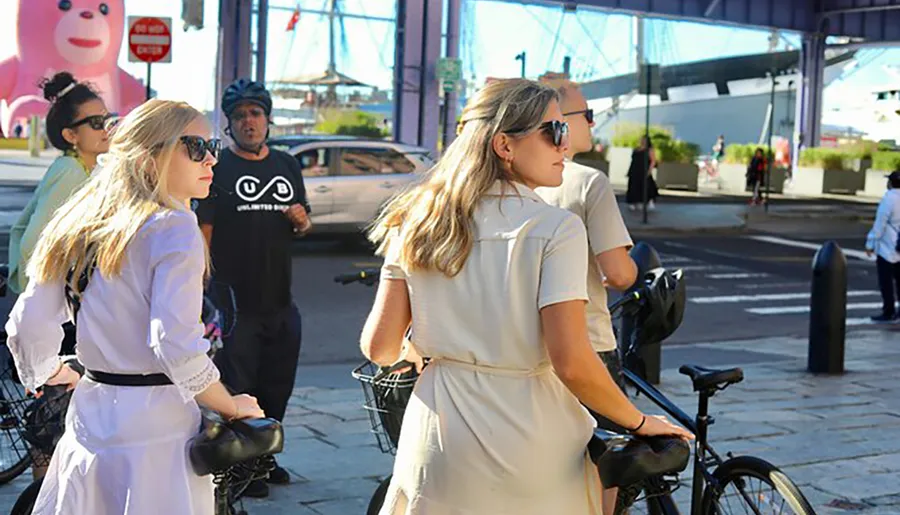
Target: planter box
column 619, row 161
column 596, row 164
column 816, row 181
column 677, row 176
column 875, row 183
column 732, row 178
column 778, row 176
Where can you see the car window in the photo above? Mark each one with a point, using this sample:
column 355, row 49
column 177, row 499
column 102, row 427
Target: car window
column 314, row 162
column 283, row 147
column 373, row 161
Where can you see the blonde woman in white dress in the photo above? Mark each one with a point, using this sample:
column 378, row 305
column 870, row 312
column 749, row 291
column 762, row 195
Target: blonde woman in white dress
column 492, row 280
column 124, row 450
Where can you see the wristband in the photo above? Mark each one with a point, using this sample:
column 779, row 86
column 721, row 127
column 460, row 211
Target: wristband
column 638, row 428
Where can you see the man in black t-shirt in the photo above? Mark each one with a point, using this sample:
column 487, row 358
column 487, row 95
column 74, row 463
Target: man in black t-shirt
column 257, row 207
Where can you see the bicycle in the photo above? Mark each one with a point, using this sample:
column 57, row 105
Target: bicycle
column 633, row 464
column 712, row 476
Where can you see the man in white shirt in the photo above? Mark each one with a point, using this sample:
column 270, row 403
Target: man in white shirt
column 588, row 193
column 882, row 241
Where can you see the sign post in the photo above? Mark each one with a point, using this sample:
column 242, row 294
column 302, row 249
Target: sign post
column 149, row 41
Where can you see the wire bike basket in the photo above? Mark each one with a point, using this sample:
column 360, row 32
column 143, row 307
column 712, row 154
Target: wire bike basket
column 386, row 397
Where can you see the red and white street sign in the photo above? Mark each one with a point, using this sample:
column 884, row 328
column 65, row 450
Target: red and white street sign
column 149, row 39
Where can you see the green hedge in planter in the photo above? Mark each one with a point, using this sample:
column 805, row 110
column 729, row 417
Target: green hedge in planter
column 887, row 161
column 741, row 153
column 845, row 157
column 668, row 149
column 827, row 158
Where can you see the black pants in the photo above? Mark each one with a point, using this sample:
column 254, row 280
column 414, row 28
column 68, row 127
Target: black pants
column 888, row 281
column 260, row 358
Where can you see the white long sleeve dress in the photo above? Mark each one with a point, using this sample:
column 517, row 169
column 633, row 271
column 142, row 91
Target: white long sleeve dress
column 124, row 448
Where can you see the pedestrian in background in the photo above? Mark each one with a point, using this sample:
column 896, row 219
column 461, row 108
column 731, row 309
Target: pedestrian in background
column 883, row 241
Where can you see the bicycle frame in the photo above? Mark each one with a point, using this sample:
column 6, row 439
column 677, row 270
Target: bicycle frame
column 699, row 427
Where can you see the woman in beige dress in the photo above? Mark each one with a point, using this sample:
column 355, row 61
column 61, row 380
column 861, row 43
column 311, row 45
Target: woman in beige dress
column 492, row 280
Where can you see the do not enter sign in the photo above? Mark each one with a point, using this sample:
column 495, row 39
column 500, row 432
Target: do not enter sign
column 149, row 39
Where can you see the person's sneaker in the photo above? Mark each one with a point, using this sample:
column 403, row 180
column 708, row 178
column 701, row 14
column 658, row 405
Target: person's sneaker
column 257, row 489
column 884, row 318
column 277, row 474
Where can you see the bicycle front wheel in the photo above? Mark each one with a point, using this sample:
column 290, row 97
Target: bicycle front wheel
column 378, row 497
column 25, row 503
column 746, row 481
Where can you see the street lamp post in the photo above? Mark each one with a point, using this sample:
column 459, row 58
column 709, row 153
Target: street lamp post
column 770, row 157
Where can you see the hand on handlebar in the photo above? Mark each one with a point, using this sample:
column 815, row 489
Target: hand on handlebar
column 658, row 425
column 65, row 376
column 409, row 354
column 246, row 407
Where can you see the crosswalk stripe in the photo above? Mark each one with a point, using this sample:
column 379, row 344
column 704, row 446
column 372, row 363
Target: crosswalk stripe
column 737, row 275
column 699, row 268
column 769, row 296
column 787, row 310
column 858, row 254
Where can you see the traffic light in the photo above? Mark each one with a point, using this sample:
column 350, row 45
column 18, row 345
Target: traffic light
column 192, row 13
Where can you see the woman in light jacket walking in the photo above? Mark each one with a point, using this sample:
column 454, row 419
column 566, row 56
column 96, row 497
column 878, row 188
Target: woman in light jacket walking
column 883, row 242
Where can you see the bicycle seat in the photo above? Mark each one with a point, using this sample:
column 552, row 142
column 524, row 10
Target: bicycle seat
column 220, row 445
column 709, row 378
column 627, row 460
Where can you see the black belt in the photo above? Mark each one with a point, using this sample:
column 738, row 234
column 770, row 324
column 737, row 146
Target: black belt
column 128, row 379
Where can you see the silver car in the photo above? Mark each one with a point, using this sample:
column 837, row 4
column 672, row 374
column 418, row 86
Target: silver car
column 349, row 179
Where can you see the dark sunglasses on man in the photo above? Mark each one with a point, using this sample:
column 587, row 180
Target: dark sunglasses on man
column 197, row 147
column 588, row 114
column 98, row 122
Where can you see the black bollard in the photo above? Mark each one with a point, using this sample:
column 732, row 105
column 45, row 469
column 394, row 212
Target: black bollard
column 646, row 258
column 828, row 310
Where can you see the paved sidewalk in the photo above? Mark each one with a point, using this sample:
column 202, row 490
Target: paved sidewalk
column 838, row 437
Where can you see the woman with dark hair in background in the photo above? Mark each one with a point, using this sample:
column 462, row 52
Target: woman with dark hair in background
column 639, row 174
column 756, row 175
column 76, row 124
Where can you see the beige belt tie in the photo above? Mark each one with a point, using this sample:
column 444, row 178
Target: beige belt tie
column 541, row 369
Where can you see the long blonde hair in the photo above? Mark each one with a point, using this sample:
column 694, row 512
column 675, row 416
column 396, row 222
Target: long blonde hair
column 432, row 220
column 127, row 187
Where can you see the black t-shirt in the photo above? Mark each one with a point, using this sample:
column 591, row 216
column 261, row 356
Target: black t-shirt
column 251, row 241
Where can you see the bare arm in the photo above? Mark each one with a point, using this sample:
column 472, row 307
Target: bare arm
column 217, row 398
column 579, row 368
column 207, row 230
column 618, row 268
column 382, row 336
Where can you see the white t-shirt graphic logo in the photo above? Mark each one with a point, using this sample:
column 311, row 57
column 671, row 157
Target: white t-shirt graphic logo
column 247, row 187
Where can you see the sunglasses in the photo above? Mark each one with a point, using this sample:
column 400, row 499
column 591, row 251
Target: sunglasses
column 588, row 114
column 197, row 147
column 557, row 131
column 97, row 121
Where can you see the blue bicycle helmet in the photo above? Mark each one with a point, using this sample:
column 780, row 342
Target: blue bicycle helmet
column 246, row 90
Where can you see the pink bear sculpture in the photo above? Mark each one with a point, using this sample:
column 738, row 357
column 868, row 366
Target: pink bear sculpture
column 82, row 37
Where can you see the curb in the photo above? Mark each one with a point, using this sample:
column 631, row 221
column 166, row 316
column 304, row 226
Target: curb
column 649, row 228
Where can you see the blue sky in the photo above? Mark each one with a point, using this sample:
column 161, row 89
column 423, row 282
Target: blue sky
column 599, row 44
